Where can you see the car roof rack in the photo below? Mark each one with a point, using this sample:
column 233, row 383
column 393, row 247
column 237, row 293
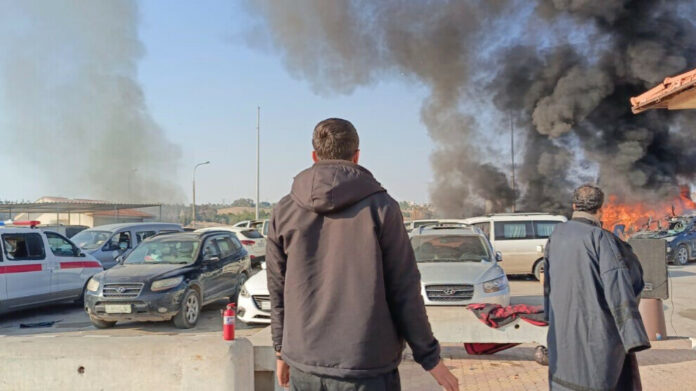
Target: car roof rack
column 443, row 226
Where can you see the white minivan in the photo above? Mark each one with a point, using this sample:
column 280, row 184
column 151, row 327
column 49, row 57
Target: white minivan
column 40, row 267
column 520, row 237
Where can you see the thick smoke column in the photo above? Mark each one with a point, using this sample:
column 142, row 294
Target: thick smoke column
column 565, row 76
column 72, row 111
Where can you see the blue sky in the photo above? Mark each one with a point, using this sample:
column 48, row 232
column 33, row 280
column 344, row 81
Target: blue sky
column 203, row 81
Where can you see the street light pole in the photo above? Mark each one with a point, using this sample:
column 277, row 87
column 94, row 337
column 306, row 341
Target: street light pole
column 193, row 206
column 258, row 156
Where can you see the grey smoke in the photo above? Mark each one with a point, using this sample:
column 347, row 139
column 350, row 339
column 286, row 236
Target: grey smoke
column 74, row 113
column 575, row 95
column 564, row 75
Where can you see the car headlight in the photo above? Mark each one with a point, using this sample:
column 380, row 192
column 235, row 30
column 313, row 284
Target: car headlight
column 93, row 285
column 244, row 292
column 669, row 249
column 167, row 283
column 495, row 285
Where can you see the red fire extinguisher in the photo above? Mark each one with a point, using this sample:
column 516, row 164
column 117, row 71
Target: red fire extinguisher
column 228, row 320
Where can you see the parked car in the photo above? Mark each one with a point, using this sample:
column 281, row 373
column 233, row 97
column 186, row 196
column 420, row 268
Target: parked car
column 254, row 303
column 458, row 266
column 41, row 267
column 251, row 239
column 108, row 242
column 680, row 236
column 259, row 225
column 169, row 277
column 520, row 237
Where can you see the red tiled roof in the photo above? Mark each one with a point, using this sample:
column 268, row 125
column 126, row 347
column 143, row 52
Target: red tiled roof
column 674, row 93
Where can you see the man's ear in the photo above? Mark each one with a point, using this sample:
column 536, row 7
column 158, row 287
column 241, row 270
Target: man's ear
column 314, row 156
column 356, row 157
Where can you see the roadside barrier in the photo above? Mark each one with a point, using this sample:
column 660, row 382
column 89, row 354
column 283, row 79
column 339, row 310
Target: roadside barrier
column 152, row 362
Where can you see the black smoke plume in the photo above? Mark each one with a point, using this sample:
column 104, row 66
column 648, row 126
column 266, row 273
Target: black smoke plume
column 562, row 70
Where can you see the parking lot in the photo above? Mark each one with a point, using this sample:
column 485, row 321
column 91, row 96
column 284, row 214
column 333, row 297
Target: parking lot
column 680, row 313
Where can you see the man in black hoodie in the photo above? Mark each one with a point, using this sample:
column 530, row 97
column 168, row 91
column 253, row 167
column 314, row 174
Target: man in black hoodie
column 342, row 277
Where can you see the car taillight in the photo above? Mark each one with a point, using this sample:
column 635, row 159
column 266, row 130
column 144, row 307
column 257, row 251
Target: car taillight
column 248, row 242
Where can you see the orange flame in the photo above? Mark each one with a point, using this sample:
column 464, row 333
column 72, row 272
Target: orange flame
column 635, row 217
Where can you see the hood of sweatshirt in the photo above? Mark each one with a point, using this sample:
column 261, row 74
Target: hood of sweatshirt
column 332, row 185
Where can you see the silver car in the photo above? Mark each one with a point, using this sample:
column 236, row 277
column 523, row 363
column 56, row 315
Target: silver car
column 458, row 266
column 108, row 242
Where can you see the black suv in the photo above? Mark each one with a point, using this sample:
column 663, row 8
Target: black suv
column 170, row 276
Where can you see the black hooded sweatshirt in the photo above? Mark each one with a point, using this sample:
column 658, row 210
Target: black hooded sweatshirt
column 343, row 281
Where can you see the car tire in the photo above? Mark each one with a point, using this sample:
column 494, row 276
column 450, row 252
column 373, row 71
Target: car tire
column 536, row 270
column 189, row 312
column 682, row 255
column 101, row 324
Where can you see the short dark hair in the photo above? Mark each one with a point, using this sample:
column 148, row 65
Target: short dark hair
column 588, row 198
column 335, row 139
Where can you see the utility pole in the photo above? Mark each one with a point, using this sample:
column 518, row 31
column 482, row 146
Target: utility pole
column 193, row 206
column 258, row 156
column 512, row 155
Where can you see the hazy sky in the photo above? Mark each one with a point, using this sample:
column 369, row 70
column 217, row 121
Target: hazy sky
column 202, row 80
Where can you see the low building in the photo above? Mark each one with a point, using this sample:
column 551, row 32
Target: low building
column 60, row 211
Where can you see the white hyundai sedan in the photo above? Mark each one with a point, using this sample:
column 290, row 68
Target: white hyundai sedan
column 458, row 266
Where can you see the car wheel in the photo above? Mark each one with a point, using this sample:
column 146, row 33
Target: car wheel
column 189, row 312
column 682, row 256
column 101, row 324
column 538, row 267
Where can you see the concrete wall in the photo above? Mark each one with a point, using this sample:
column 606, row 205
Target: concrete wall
column 157, row 362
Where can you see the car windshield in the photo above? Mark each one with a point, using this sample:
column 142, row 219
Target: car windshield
column 164, row 251
column 450, row 248
column 91, row 239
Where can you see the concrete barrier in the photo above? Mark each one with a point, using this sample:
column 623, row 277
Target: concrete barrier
column 154, row 362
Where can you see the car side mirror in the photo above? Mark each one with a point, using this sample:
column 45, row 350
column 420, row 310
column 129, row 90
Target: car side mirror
column 119, row 260
column 79, row 253
column 498, row 256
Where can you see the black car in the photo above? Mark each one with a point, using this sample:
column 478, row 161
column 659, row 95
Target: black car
column 170, row 276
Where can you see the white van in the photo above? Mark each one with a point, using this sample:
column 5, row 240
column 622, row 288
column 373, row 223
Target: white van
column 520, row 237
column 39, row 267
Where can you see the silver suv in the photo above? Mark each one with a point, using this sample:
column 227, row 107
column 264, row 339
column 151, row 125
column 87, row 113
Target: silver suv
column 458, row 266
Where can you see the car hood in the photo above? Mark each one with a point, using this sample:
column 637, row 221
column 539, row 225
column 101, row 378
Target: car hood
column 257, row 285
column 140, row 273
column 458, row 272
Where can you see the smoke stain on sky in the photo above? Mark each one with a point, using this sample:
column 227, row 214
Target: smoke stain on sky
column 73, row 107
column 565, row 76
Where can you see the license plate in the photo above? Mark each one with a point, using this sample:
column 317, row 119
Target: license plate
column 117, row 308
column 266, row 305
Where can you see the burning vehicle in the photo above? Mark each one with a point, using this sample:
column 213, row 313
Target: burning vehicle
column 680, row 234
column 673, row 220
